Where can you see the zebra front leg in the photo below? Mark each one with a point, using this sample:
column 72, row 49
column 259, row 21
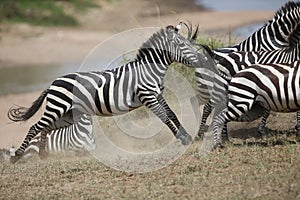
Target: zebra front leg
column 217, row 125
column 20, row 151
column 262, row 125
column 218, row 122
column 182, row 134
column 156, row 103
column 206, row 112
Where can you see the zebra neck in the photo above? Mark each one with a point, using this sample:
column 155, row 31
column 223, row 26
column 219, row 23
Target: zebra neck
column 154, row 59
column 151, row 72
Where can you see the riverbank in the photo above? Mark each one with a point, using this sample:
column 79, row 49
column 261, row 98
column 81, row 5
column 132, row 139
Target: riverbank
column 25, row 45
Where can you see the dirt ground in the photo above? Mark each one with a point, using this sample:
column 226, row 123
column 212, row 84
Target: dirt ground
column 23, row 45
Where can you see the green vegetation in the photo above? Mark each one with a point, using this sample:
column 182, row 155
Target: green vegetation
column 43, row 12
column 211, row 42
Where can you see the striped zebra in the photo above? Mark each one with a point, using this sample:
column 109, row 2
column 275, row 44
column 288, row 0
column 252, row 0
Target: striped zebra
column 114, row 91
column 233, row 63
column 76, row 137
column 282, row 31
column 274, row 87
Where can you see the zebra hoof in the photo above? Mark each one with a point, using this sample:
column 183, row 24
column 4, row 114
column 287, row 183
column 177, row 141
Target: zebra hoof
column 218, row 146
column 200, row 136
column 14, row 159
column 185, row 139
column 225, row 139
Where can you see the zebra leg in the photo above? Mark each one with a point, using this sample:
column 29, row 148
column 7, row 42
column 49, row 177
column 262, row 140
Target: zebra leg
column 42, row 150
column 206, row 112
column 217, row 124
column 33, row 131
column 229, row 114
column 157, row 104
column 182, row 134
column 48, row 121
column 262, row 125
column 225, row 137
column 298, row 126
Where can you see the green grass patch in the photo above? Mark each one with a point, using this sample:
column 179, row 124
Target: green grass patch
column 211, row 42
column 46, row 12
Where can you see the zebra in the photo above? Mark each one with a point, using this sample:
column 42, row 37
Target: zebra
column 274, row 87
column 236, row 61
column 114, row 91
column 282, row 31
column 76, row 137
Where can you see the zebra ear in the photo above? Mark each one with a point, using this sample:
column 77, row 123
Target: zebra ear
column 171, row 32
column 178, row 27
column 194, row 37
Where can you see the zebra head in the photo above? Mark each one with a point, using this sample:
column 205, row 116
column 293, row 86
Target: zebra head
column 182, row 49
column 168, row 45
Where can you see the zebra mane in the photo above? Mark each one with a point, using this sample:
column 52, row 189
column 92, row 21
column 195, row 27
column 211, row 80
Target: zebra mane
column 286, row 25
column 163, row 35
column 287, row 7
column 290, row 14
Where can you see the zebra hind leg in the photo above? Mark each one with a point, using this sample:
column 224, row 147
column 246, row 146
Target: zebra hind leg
column 262, row 125
column 19, row 153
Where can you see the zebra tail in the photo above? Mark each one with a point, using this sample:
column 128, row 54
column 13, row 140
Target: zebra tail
column 19, row 113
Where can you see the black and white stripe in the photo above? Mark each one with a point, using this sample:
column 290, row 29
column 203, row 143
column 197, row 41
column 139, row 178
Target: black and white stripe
column 274, row 87
column 233, row 63
column 114, row 91
column 76, row 137
column 280, row 32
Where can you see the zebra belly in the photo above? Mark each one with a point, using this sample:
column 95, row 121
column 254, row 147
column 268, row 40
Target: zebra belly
column 279, row 104
column 115, row 103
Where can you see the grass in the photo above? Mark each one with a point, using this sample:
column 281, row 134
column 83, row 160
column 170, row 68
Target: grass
column 46, row 13
column 236, row 172
column 213, row 43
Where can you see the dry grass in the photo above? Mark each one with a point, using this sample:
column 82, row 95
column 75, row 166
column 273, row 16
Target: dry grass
column 252, row 170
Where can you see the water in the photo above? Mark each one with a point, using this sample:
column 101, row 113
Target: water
column 245, row 31
column 113, row 52
column 30, row 78
column 238, row 5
